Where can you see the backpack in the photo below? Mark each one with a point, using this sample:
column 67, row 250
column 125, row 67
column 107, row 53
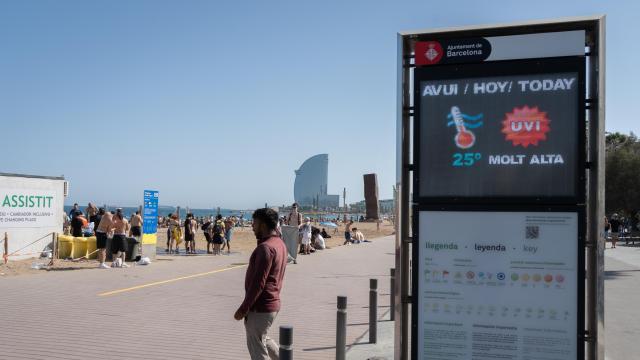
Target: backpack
column 217, row 228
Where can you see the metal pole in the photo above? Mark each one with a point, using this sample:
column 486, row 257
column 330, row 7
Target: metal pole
column 373, row 311
column 596, row 195
column 141, row 231
column 6, row 248
column 286, row 343
column 404, row 208
column 341, row 328
column 392, row 295
column 53, row 248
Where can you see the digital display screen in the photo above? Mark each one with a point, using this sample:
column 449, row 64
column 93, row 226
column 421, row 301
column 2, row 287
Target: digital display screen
column 498, row 136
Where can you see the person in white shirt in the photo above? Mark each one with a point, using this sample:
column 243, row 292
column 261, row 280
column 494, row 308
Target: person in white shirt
column 305, row 231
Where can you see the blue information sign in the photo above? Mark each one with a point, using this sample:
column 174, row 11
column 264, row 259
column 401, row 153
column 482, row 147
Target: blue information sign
column 150, row 212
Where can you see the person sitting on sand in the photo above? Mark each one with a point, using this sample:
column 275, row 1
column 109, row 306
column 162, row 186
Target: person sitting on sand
column 324, row 234
column 317, row 240
column 357, row 236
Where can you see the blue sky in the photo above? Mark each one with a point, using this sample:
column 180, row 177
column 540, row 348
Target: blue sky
column 216, row 103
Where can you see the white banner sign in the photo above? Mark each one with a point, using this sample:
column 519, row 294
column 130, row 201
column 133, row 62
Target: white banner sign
column 27, row 208
column 497, row 285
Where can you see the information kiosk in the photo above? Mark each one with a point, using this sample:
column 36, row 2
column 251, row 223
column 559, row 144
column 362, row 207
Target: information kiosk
column 500, row 181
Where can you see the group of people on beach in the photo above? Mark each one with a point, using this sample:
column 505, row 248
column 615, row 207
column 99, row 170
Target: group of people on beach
column 312, row 238
column 217, row 232
column 105, row 225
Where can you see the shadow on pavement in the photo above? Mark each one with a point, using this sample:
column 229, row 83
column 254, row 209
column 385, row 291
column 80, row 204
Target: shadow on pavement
column 614, row 274
column 333, row 347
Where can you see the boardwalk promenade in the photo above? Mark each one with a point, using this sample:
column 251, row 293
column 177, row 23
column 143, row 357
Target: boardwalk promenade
column 182, row 308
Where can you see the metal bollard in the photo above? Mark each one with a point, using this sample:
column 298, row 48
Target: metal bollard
column 286, row 343
column 392, row 293
column 341, row 328
column 373, row 311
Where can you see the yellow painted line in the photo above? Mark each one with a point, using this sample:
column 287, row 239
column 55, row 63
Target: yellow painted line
column 114, row 292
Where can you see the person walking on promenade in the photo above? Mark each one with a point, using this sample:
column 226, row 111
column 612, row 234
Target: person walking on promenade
column 263, row 283
column 119, row 241
column 105, row 226
column 615, row 230
column 295, row 219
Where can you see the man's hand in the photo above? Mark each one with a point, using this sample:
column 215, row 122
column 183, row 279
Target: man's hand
column 239, row 315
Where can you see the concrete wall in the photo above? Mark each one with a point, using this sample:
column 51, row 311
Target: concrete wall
column 30, row 207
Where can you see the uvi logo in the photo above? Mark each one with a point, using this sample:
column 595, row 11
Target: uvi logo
column 526, row 126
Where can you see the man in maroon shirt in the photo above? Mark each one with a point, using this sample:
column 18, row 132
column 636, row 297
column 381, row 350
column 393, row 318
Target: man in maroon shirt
column 262, row 285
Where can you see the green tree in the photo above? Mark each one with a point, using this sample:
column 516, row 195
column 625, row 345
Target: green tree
column 622, row 172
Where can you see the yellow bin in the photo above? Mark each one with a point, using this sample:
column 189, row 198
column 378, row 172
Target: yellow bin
column 91, row 247
column 79, row 247
column 65, row 246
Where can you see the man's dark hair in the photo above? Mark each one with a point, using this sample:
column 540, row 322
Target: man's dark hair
column 75, row 204
column 101, row 211
column 267, row 216
column 218, row 217
column 137, row 212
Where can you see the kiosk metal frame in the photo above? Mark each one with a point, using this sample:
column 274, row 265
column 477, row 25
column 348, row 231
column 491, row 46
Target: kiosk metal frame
column 591, row 227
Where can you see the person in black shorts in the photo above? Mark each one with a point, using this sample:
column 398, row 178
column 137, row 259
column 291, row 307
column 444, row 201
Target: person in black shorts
column 119, row 241
column 136, row 225
column 103, row 228
column 189, row 234
column 218, row 235
column 347, row 233
column 207, row 227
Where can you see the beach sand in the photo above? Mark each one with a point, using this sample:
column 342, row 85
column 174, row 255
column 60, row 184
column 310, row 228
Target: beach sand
column 242, row 241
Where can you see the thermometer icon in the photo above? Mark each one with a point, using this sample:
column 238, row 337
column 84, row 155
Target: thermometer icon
column 464, row 139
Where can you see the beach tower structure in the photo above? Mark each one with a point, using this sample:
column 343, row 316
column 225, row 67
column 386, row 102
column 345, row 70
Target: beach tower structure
column 310, row 186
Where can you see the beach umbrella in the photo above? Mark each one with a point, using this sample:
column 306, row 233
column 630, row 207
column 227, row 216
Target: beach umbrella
column 328, row 224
